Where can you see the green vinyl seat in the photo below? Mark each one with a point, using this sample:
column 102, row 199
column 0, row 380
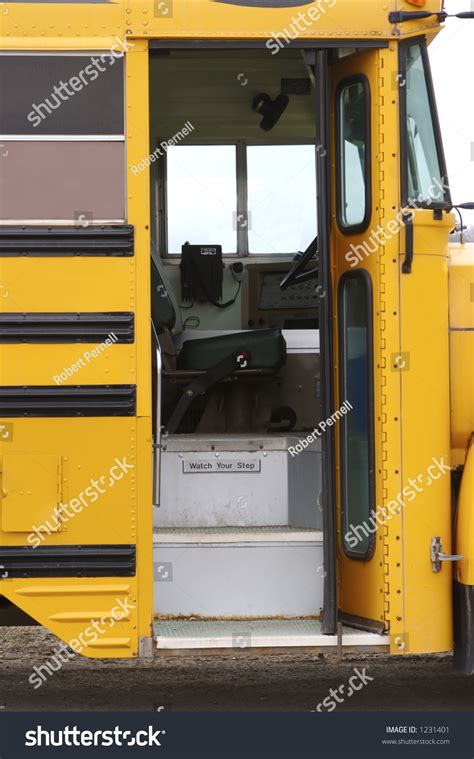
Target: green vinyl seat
column 265, row 349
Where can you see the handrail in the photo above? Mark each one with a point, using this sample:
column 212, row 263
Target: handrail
column 156, row 445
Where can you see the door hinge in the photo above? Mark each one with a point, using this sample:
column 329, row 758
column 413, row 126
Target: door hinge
column 437, row 555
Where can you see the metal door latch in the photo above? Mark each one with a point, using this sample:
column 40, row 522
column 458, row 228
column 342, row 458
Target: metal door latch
column 437, row 555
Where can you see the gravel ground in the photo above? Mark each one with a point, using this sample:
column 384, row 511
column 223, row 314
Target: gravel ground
column 296, row 682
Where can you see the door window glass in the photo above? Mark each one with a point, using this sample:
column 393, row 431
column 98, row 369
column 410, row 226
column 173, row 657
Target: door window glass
column 357, row 470
column 353, row 144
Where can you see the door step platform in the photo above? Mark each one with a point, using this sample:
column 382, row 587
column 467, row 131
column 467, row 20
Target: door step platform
column 218, row 480
column 277, row 635
column 238, row 571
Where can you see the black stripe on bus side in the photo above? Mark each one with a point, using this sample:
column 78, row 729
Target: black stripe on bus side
column 60, row 241
column 118, row 327
column 71, row 400
column 68, row 561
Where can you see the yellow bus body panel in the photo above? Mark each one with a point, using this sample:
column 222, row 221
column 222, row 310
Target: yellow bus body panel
column 461, row 326
column 79, row 449
column 97, row 25
column 464, row 570
column 425, row 429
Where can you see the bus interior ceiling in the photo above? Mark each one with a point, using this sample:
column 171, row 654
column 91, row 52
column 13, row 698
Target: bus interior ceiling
column 238, row 527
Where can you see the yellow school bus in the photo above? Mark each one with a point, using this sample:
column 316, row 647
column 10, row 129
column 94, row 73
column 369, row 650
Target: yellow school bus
column 237, row 349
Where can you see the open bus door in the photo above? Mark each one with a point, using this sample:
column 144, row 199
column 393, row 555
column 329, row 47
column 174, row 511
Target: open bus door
column 361, row 589
column 389, row 506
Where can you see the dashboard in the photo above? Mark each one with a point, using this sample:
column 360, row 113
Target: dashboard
column 266, row 306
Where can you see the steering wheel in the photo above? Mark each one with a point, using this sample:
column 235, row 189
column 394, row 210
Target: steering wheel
column 296, row 273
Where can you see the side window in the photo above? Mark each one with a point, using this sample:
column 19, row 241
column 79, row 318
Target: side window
column 202, row 196
column 353, row 154
column 424, row 179
column 356, row 386
column 63, row 138
column 281, row 197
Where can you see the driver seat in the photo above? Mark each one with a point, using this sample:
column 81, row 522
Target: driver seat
column 203, row 363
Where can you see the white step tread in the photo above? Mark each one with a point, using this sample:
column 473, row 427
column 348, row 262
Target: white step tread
column 240, row 535
column 262, row 633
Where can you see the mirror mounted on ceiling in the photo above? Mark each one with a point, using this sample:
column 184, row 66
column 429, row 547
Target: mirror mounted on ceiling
column 271, row 110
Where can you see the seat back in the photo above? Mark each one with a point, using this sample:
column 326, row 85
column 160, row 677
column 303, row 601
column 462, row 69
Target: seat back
column 266, row 349
column 165, row 312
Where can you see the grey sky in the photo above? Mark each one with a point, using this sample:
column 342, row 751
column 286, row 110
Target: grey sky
column 452, row 61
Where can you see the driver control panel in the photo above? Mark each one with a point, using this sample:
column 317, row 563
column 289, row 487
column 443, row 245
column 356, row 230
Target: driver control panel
column 266, row 306
column 298, row 296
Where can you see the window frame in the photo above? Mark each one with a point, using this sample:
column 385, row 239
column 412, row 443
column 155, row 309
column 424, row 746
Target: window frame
column 363, row 225
column 402, row 78
column 364, row 275
column 242, row 196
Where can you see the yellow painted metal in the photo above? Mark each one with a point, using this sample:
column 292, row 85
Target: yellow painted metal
column 464, row 535
column 461, row 326
column 425, row 427
column 98, row 618
column 97, row 504
column 461, row 286
column 75, row 364
column 105, row 480
column 362, row 585
column 96, row 26
column 411, row 404
column 63, row 285
column 89, row 449
column 31, row 491
column 138, row 203
column 61, row 278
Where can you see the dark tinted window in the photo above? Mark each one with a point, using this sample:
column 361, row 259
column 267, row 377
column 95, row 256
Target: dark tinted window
column 356, row 386
column 61, row 95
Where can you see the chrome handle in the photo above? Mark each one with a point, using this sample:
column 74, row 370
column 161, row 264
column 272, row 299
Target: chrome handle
column 156, row 445
column 437, row 555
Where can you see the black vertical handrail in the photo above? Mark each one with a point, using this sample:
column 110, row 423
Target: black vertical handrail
column 329, row 617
